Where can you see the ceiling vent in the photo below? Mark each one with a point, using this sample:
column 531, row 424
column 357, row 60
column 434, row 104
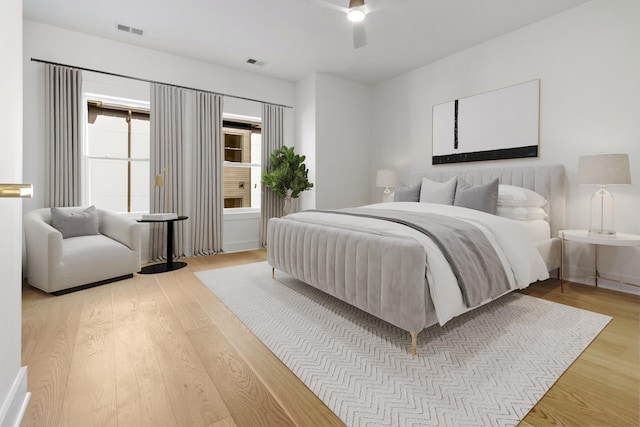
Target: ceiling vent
column 255, row 62
column 128, row 29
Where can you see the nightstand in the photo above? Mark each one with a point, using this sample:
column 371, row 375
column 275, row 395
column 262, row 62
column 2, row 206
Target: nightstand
column 582, row 236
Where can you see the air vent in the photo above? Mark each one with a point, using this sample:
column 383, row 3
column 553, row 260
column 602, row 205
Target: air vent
column 255, row 62
column 129, row 29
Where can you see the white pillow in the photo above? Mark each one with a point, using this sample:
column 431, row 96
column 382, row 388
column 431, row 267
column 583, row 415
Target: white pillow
column 510, row 195
column 438, row 192
column 520, row 213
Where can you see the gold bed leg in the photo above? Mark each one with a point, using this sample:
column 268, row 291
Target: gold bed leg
column 273, row 272
column 414, row 342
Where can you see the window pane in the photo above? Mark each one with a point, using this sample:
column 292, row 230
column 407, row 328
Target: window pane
column 108, row 184
column 140, row 186
column 237, row 187
column 242, row 187
column 140, row 136
column 107, row 132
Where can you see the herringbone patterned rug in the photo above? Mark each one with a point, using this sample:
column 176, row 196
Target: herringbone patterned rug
column 488, row 367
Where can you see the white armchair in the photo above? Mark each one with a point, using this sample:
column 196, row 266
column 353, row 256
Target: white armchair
column 58, row 265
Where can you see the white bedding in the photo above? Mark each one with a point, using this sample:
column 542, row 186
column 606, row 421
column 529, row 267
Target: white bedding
column 516, row 250
column 537, row 229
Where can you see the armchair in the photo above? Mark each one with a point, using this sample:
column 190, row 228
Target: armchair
column 58, row 265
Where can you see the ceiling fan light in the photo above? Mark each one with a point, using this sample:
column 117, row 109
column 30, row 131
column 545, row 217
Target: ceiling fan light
column 356, row 15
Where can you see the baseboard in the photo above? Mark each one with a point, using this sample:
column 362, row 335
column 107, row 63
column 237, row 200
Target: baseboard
column 248, row 245
column 585, row 277
column 15, row 405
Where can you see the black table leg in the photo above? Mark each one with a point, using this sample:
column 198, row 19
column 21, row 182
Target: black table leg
column 170, row 245
column 170, row 265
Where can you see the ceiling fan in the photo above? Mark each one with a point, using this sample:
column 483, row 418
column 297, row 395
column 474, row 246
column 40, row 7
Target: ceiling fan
column 356, row 15
column 357, row 11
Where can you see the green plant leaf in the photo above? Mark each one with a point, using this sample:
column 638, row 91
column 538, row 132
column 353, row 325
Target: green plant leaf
column 286, row 171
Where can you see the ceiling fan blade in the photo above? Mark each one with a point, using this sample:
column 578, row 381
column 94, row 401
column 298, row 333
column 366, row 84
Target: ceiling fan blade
column 359, row 35
column 329, row 5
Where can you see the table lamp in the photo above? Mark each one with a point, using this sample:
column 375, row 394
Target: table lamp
column 386, row 178
column 603, row 170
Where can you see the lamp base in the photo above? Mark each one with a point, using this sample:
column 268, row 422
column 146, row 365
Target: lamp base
column 602, row 233
column 387, row 195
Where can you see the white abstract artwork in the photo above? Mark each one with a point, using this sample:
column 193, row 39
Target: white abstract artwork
column 501, row 124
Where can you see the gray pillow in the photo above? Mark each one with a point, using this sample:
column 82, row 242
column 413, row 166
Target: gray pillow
column 438, row 192
column 483, row 197
column 404, row 193
column 72, row 223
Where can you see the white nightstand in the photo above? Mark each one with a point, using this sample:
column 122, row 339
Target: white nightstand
column 582, row 236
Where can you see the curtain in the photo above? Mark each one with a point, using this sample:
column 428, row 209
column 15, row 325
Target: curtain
column 207, row 184
column 63, row 144
column 272, row 138
column 166, row 160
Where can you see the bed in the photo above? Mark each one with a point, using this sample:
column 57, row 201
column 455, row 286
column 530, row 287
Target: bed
column 399, row 274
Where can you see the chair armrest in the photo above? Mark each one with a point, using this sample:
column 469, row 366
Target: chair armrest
column 120, row 228
column 43, row 248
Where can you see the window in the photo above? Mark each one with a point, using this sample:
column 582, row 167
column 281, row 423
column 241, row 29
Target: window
column 242, row 159
column 117, row 157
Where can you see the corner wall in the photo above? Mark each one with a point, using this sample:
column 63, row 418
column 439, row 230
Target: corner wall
column 343, row 134
column 588, row 62
column 13, row 378
column 333, row 124
column 306, row 135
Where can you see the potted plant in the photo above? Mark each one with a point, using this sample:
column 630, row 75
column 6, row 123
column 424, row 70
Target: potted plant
column 287, row 175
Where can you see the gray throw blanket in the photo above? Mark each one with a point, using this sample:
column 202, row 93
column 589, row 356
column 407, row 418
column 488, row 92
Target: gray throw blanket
column 470, row 254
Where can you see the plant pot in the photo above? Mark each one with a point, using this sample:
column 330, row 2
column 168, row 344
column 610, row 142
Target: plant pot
column 287, row 206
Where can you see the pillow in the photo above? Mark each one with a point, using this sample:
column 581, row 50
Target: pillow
column 404, row 193
column 510, row 195
column 521, row 214
column 72, row 223
column 438, row 192
column 483, row 197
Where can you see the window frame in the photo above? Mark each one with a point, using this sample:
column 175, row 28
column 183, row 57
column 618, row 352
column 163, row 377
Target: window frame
column 256, row 127
column 117, row 104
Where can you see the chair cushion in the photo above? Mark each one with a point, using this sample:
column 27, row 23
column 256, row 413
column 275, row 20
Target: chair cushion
column 75, row 223
column 88, row 259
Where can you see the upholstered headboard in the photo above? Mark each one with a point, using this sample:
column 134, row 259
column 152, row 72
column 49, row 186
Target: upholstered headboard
column 547, row 180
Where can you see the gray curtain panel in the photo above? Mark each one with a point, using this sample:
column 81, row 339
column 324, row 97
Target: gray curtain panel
column 166, row 159
column 207, row 182
column 63, row 144
column 272, row 138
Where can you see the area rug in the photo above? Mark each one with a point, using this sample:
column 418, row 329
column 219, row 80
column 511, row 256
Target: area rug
column 488, row 367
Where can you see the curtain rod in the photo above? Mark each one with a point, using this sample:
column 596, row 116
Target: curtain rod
column 44, row 61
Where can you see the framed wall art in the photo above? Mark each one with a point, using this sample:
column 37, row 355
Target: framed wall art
column 501, row 124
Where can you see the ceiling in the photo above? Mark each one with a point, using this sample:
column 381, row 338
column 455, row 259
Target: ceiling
column 295, row 38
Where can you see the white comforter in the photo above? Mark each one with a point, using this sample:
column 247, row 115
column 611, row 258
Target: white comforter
column 522, row 262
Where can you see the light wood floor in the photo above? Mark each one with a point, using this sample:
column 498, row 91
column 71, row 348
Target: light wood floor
column 161, row 350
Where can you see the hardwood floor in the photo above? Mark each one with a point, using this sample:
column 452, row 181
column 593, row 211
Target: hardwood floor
column 161, row 350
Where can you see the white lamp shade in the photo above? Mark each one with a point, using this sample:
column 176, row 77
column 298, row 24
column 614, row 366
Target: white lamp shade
column 604, row 169
column 386, row 178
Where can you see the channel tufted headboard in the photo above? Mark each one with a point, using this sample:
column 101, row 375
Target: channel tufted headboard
column 547, row 180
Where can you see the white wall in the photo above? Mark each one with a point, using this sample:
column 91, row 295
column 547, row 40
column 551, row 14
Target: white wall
column 343, row 135
column 588, row 60
column 82, row 50
column 333, row 131
column 306, row 135
column 13, row 380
